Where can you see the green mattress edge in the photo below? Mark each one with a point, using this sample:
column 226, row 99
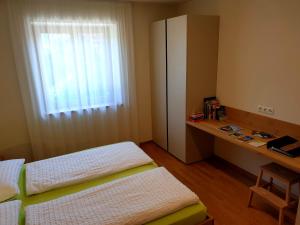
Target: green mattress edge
column 191, row 215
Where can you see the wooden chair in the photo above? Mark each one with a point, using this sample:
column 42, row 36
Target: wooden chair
column 285, row 176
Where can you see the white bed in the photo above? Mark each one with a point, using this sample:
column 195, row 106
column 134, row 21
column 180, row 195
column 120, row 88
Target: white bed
column 49, row 174
column 133, row 200
column 9, row 212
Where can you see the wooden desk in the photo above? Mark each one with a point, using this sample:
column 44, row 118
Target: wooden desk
column 211, row 127
column 254, row 121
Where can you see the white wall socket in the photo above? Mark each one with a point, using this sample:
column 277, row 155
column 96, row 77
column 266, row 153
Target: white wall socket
column 265, row 109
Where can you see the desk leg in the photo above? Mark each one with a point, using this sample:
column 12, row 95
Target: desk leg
column 298, row 214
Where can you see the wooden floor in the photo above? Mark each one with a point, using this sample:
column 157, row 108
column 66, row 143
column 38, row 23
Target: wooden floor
column 222, row 188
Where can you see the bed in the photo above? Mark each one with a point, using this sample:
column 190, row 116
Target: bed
column 193, row 214
column 75, row 168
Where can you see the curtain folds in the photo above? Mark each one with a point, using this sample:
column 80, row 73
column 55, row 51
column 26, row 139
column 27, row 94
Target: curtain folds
column 75, row 66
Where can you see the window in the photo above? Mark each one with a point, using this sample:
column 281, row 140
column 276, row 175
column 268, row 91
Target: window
column 79, row 65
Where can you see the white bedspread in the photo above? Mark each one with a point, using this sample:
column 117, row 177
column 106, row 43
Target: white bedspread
column 132, row 200
column 9, row 212
column 81, row 166
column 9, row 177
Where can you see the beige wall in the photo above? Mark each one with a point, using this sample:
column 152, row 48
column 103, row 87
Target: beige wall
column 259, row 51
column 143, row 15
column 14, row 140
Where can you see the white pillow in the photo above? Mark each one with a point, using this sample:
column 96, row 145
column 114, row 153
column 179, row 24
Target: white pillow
column 9, row 177
column 9, row 212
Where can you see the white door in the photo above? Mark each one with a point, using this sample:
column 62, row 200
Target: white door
column 159, row 83
column 176, row 84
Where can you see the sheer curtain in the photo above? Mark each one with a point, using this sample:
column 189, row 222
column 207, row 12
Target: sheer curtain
column 75, row 65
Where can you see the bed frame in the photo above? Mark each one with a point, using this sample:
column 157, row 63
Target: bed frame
column 208, row 221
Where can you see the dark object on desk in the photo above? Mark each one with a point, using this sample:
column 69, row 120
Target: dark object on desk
column 285, row 145
column 210, row 107
column 230, row 128
column 206, row 109
column 237, row 134
column 245, row 138
column 221, row 113
column 262, row 134
column 197, row 116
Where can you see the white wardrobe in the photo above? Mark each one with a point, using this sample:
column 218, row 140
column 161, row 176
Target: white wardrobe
column 184, row 56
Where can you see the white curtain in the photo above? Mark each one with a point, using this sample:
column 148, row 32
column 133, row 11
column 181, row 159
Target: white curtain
column 75, row 65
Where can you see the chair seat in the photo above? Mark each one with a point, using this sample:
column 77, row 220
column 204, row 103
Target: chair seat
column 281, row 173
column 270, row 197
column 284, row 175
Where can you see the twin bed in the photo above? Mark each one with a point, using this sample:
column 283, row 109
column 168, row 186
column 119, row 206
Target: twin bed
column 114, row 184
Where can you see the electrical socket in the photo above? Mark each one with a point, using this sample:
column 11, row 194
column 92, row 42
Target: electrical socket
column 265, row 109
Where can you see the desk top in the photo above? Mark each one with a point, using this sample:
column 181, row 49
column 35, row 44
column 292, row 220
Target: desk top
column 212, row 127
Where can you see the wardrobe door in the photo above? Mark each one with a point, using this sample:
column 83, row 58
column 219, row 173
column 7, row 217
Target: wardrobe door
column 159, row 83
column 176, row 85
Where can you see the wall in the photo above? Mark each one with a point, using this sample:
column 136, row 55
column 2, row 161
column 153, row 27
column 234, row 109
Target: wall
column 258, row 62
column 14, row 139
column 143, row 15
column 258, row 53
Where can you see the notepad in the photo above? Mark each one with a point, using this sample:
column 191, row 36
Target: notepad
column 256, row 143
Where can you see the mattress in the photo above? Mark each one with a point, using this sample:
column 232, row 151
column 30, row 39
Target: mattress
column 9, row 212
column 137, row 199
column 78, row 167
column 59, row 192
column 190, row 215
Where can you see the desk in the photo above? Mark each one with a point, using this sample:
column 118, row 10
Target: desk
column 212, row 127
column 259, row 122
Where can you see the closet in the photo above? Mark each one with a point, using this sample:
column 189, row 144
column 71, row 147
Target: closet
column 184, row 56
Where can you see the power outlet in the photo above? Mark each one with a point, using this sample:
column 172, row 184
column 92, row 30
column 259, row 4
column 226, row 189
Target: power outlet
column 265, row 109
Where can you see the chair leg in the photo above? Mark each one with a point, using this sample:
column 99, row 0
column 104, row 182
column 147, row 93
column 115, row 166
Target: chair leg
column 257, row 184
column 259, row 178
column 270, row 184
column 250, row 198
column 281, row 216
column 288, row 193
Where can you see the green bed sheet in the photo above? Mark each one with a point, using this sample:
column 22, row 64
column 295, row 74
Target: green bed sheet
column 191, row 215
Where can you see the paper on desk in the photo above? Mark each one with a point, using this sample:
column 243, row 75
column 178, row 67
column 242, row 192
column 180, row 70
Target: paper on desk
column 256, row 143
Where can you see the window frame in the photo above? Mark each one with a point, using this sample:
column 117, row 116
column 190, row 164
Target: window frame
column 37, row 41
